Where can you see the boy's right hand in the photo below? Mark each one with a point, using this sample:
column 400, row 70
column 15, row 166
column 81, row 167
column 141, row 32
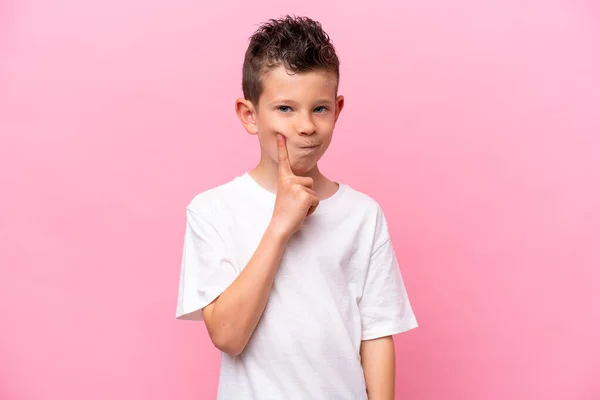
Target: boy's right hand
column 295, row 199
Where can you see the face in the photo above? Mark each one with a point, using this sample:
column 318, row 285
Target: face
column 304, row 108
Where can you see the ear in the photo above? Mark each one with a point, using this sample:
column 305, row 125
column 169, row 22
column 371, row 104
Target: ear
column 247, row 115
column 339, row 105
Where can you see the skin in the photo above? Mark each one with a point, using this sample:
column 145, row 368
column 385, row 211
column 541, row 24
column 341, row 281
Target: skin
column 302, row 107
column 294, row 122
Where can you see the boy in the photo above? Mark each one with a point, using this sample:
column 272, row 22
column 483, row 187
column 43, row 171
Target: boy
column 293, row 274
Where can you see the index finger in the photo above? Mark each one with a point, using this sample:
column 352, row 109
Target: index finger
column 282, row 156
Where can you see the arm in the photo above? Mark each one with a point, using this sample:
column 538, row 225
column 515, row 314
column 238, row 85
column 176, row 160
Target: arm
column 378, row 361
column 233, row 316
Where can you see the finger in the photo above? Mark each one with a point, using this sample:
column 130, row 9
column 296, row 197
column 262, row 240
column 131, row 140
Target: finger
column 312, row 191
column 315, row 202
column 313, row 206
column 305, row 181
column 282, row 156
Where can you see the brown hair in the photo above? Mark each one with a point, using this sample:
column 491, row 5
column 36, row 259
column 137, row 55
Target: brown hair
column 297, row 43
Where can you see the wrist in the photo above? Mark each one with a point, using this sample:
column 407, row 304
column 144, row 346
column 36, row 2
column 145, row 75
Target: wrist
column 278, row 233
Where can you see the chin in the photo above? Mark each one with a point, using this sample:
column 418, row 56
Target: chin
column 302, row 168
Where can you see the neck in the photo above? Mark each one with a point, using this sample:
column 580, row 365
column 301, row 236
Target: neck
column 266, row 174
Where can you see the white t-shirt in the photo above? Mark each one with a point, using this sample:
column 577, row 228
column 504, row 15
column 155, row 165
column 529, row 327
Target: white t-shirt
column 338, row 283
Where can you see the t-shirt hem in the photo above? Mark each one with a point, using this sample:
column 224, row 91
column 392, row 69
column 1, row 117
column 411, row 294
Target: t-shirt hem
column 388, row 330
column 194, row 312
column 194, row 315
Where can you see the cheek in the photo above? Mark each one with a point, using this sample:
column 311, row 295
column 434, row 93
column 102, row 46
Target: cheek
column 277, row 125
column 266, row 132
column 327, row 124
column 267, row 136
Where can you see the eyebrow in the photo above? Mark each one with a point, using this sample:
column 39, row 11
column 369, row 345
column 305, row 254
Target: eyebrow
column 283, row 100
column 293, row 102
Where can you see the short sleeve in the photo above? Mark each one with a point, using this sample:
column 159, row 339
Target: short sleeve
column 206, row 268
column 385, row 308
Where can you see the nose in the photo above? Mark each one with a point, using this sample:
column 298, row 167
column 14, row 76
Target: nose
column 306, row 126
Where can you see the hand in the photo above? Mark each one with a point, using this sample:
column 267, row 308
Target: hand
column 295, row 199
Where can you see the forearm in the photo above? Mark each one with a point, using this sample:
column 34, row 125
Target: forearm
column 233, row 316
column 378, row 361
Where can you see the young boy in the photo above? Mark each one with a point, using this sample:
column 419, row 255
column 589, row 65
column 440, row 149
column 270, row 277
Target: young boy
column 293, row 274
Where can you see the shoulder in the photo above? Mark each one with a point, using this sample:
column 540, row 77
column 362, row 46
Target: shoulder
column 367, row 211
column 209, row 200
column 361, row 202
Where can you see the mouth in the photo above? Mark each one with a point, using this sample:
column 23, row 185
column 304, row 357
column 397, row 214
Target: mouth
column 314, row 146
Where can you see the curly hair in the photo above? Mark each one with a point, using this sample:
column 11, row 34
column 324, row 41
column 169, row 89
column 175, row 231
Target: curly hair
column 297, row 43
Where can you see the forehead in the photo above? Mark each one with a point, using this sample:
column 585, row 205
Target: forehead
column 278, row 82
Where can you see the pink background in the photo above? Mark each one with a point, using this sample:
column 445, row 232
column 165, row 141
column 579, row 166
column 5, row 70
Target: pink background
column 475, row 124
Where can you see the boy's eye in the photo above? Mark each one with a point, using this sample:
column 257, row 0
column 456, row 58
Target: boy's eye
column 284, row 108
column 321, row 109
